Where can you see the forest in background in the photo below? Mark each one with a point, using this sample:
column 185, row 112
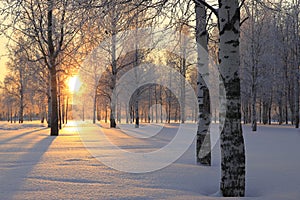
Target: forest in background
column 269, row 58
column 255, row 45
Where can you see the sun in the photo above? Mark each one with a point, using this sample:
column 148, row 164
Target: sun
column 74, row 84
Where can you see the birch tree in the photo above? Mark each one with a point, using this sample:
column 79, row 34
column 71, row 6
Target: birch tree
column 231, row 139
column 295, row 58
column 17, row 81
column 203, row 149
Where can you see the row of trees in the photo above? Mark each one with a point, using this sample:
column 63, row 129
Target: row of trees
column 45, row 35
column 50, row 41
column 270, row 63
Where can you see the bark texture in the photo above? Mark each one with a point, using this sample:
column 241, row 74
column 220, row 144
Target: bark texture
column 203, row 146
column 232, row 141
column 52, row 69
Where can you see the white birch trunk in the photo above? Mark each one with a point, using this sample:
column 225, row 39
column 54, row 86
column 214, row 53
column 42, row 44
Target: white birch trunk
column 94, row 104
column 114, row 69
column 296, row 62
column 231, row 139
column 253, row 72
column 203, row 147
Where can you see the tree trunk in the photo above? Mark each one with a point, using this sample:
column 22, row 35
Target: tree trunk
column 156, row 103
column 296, row 62
column 292, row 102
column 54, row 104
column 265, row 112
column 286, row 88
column 296, row 93
column 175, row 115
column 132, row 114
column 8, row 113
column 169, row 100
column 106, row 113
column 119, row 113
column 169, row 110
column 250, row 113
column 15, row 117
column 151, row 106
column 280, row 107
column 161, row 103
column 286, row 111
column 21, row 108
column 99, row 111
column 42, row 113
column 232, row 141
column 183, row 73
column 94, row 105
column 59, row 106
column 136, row 110
column 203, row 145
column 260, row 111
column 31, row 115
column 215, row 115
column 136, row 63
column 49, row 109
column 11, row 114
column 67, row 109
column 114, row 68
column 52, row 69
column 150, row 112
column 254, row 72
column 253, row 118
column 270, row 110
column 127, row 117
column 59, row 112
column 63, row 110
column 112, row 117
column 245, row 112
column 182, row 97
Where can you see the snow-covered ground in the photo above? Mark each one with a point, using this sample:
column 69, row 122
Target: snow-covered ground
column 34, row 165
column 16, row 126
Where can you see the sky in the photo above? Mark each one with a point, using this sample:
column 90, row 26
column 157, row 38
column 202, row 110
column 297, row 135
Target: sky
column 3, row 51
column 3, row 59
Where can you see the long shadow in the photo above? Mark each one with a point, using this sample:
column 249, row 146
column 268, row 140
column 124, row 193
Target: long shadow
column 162, row 138
column 12, row 177
column 99, row 125
column 22, row 135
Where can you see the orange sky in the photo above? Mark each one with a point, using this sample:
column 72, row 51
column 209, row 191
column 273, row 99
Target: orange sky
column 3, row 51
column 3, row 60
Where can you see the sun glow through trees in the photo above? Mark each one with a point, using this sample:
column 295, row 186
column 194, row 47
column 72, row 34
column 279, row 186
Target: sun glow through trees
column 74, row 84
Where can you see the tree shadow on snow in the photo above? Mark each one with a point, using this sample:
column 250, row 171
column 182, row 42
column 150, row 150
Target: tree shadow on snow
column 13, row 176
column 22, row 135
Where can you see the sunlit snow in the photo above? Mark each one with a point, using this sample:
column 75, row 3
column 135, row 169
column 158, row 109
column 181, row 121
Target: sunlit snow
column 34, row 165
